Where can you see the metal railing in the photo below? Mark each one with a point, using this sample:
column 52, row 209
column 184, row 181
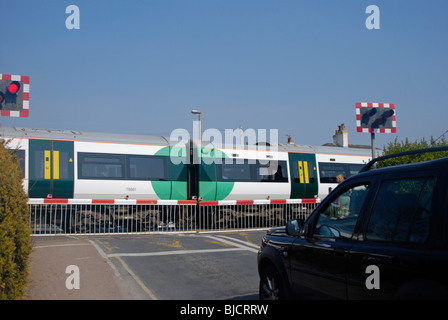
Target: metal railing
column 253, row 214
column 90, row 216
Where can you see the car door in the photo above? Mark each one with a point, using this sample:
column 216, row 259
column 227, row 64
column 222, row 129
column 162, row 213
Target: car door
column 394, row 245
column 319, row 259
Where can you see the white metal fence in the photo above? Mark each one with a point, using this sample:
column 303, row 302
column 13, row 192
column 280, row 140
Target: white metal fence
column 77, row 216
column 249, row 214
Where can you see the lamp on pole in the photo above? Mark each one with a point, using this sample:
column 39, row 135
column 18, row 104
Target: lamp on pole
column 200, row 122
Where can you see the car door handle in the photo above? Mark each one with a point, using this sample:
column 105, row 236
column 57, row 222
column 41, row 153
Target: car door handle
column 375, row 259
column 339, row 252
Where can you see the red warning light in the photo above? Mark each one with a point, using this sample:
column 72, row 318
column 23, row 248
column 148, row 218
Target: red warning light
column 14, row 87
column 14, row 95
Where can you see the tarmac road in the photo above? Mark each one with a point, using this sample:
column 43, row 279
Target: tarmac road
column 145, row 267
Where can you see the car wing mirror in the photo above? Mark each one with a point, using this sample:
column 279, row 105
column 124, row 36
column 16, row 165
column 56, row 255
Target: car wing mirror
column 294, row 227
column 326, row 230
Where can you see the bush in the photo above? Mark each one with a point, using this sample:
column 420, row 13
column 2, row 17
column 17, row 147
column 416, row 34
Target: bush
column 396, row 147
column 14, row 230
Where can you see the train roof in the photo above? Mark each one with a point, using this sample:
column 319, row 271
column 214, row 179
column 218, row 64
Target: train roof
column 325, row 149
column 71, row 135
column 294, row 148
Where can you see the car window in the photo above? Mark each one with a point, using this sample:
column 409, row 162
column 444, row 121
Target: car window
column 401, row 211
column 338, row 218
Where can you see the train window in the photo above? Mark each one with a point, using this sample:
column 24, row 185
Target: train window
column 354, row 168
column 271, row 171
column 235, row 171
column 122, row 167
column 147, row 167
column 39, row 165
column 101, row 166
column 329, row 171
column 253, row 171
column 63, row 165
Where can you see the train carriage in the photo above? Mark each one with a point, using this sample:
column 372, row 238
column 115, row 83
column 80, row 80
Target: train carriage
column 273, row 172
column 72, row 164
column 242, row 173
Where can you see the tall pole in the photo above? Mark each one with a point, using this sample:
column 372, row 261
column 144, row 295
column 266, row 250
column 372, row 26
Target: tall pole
column 200, row 122
column 372, row 136
column 200, row 126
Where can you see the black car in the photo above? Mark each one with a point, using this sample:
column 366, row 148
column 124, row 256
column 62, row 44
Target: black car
column 381, row 234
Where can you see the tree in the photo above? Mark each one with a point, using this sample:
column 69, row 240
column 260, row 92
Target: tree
column 402, row 146
column 14, row 230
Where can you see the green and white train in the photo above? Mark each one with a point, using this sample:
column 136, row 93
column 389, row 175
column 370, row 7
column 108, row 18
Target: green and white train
column 78, row 165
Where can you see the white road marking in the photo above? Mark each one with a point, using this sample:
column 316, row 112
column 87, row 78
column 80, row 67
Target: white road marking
column 167, row 253
column 61, row 245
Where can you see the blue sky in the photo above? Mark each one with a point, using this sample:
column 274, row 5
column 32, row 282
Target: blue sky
column 298, row 66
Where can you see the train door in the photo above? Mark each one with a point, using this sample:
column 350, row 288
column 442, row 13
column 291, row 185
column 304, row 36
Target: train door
column 192, row 171
column 192, row 181
column 303, row 175
column 51, row 169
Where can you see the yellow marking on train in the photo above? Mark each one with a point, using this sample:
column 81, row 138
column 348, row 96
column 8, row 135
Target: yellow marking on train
column 305, row 166
column 55, row 165
column 47, row 164
column 301, row 171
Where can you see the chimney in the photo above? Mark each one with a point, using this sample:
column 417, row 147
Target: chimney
column 290, row 139
column 340, row 138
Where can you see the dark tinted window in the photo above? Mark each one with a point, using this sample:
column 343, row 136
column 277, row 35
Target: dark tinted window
column 235, row 171
column 338, row 218
column 328, row 171
column 39, row 165
column 401, row 211
column 252, row 171
column 274, row 171
column 109, row 166
column 147, row 167
column 101, row 166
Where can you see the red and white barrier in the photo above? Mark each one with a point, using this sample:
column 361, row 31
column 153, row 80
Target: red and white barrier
column 111, row 201
column 87, row 216
column 256, row 202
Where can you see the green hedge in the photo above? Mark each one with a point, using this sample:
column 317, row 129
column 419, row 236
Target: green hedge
column 14, row 230
column 406, row 145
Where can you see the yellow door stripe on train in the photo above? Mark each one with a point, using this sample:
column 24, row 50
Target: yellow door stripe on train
column 303, row 172
column 47, row 164
column 55, row 164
